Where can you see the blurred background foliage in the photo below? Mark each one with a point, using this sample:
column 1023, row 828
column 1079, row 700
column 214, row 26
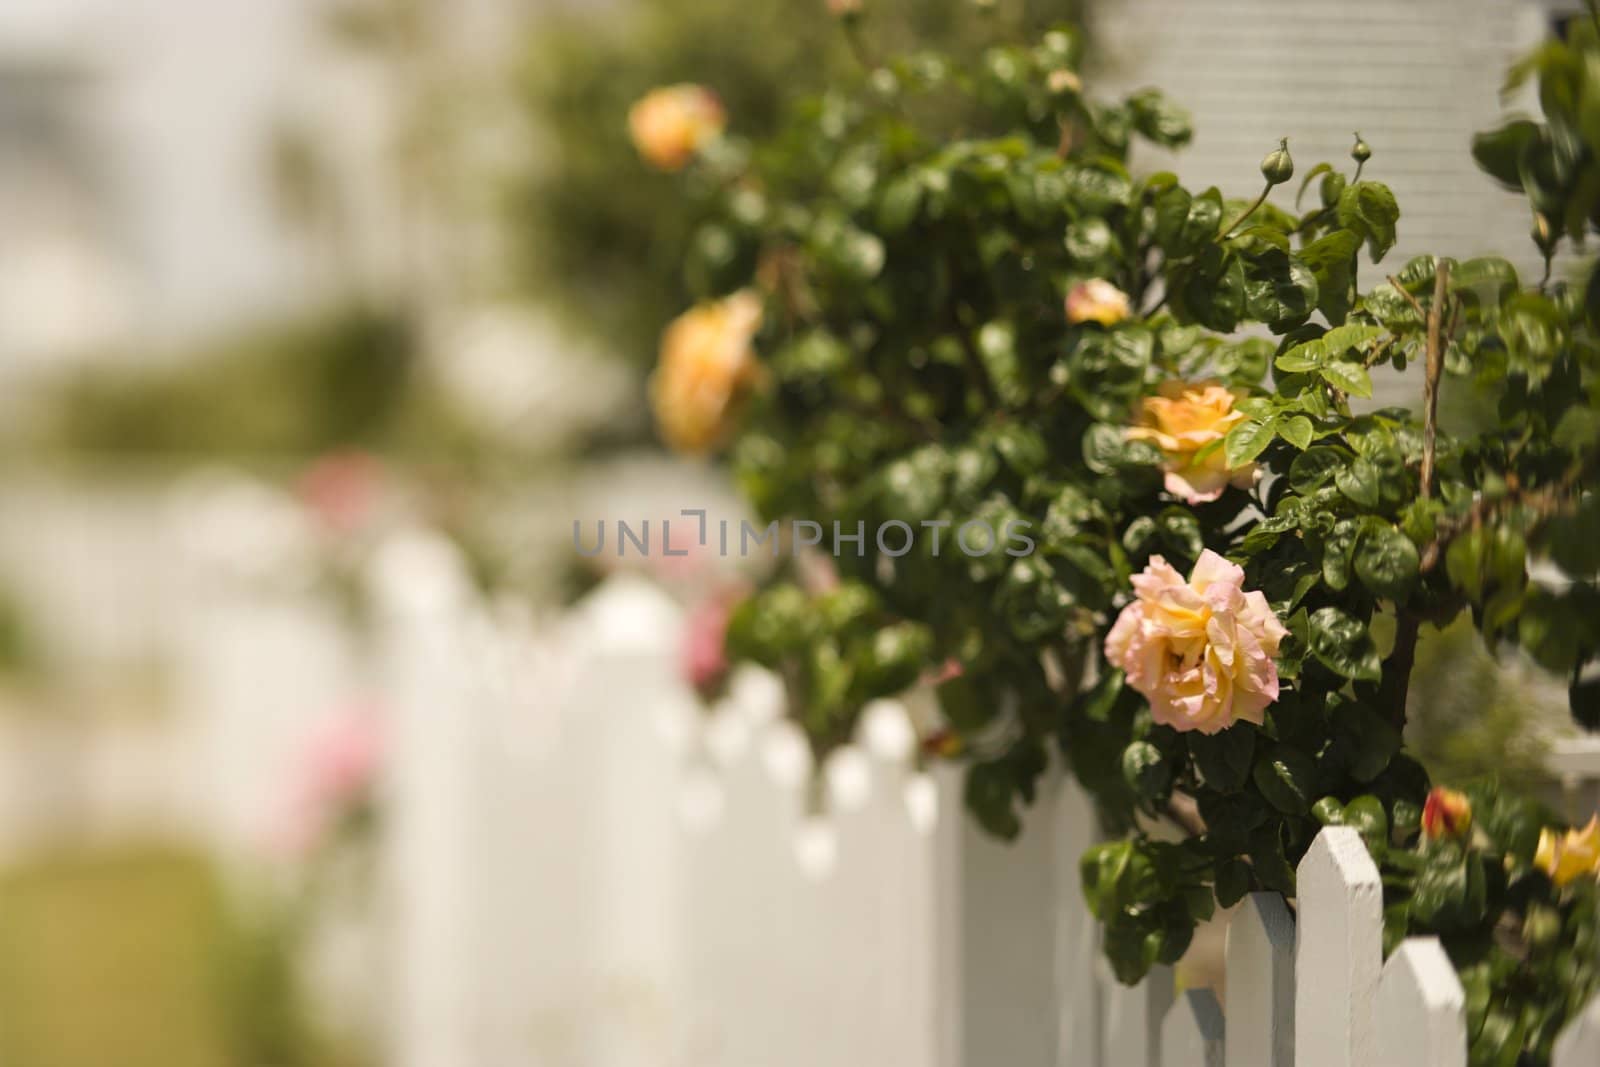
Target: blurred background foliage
column 613, row 263
column 139, row 957
column 1474, row 714
column 292, row 388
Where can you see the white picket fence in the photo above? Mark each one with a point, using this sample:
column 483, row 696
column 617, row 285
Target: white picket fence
column 547, row 902
column 1316, row 993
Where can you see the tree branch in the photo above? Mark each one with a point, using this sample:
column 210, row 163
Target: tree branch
column 1435, row 367
column 1396, row 684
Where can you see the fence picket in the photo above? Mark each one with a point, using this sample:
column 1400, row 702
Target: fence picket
column 1133, row 1017
column 1339, row 953
column 1421, row 1012
column 1579, row 1043
column 1077, row 933
column 1260, row 968
column 1192, row 1035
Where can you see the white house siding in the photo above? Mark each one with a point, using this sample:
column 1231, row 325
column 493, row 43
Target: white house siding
column 1417, row 77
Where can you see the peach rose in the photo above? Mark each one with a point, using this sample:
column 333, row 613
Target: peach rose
column 1200, row 651
column 1062, row 80
column 1181, row 420
column 1572, row 855
column 706, row 359
column 669, row 125
column 1096, row 300
column 1446, row 813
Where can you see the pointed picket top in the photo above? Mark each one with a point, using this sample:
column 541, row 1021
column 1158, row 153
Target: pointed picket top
column 1133, row 1017
column 1421, row 1012
column 1579, row 1043
column 1339, row 953
column 1192, row 1035
column 1260, row 965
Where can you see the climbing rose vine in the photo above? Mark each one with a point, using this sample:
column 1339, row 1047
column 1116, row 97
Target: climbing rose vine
column 941, row 295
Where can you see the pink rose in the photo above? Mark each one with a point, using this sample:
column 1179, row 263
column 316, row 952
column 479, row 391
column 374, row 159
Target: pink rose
column 705, row 632
column 338, row 771
column 1188, row 421
column 1096, row 300
column 342, row 489
column 1200, row 651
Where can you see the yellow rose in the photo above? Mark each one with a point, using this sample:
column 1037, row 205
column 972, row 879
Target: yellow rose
column 706, row 359
column 669, row 125
column 1181, row 420
column 1572, row 855
column 1096, row 300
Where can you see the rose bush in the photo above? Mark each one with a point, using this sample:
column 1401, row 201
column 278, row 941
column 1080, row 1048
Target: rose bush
column 995, row 320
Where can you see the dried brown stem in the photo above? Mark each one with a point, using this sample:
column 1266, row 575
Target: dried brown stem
column 1182, row 809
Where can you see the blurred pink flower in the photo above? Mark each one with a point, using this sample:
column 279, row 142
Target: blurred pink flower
column 337, row 770
column 817, row 573
column 1201, row 651
column 341, row 489
column 705, row 631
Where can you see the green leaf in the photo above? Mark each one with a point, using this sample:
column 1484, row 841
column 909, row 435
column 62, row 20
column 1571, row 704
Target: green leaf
column 1297, row 430
column 1370, row 740
column 1464, row 562
column 1232, row 879
column 1451, row 892
column 990, row 797
column 1247, row 439
column 1286, row 777
column 1387, row 562
column 1499, row 152
column 997, row 348
column 1337, row 551
column 1313, row 468
column 1268, row 860
column 1370, row 209
column 1159, row 119
column 1366, row 814
column 1280, row 290
column 1351, row 378
column 1223, row 759
column 1147, row 773
column 902, row 200
column 1320, row 168
column 1360, row 482
column 1341, row 643
column 1331, row 259
column 1583, row 700
column 1307, row 356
